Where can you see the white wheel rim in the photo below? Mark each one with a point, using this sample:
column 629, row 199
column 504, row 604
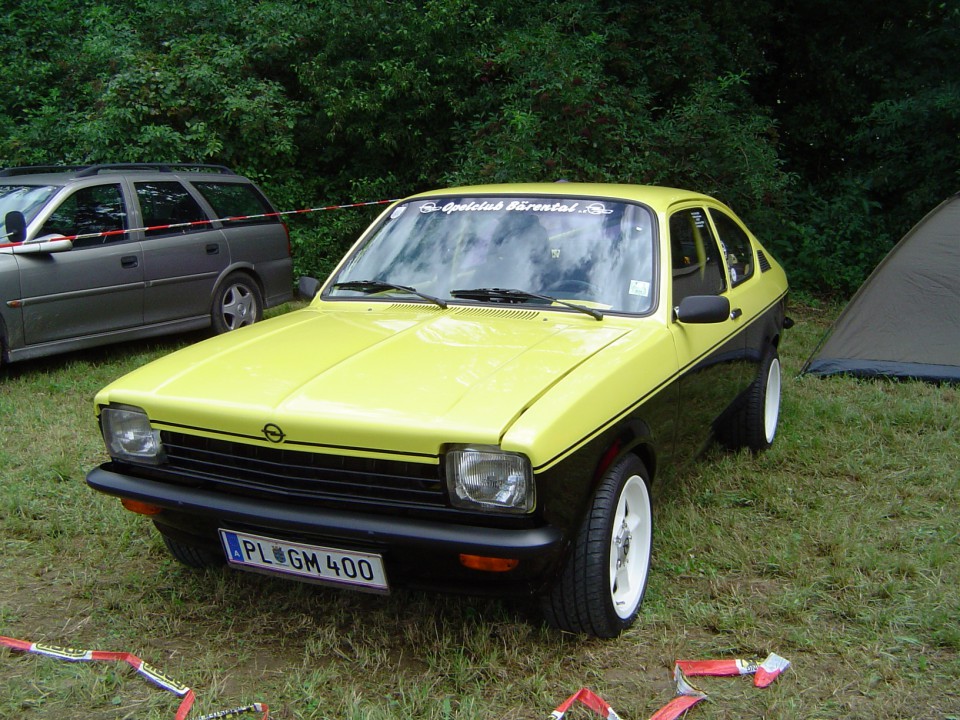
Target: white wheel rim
column 771, row 401
column 630, row 547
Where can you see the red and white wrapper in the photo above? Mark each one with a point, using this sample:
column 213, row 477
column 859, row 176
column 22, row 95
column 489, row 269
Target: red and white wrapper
column 763, row 674
column 677, row 707
column 588, row 698
column 769, row 670
column 687, row 697
column 717, row 668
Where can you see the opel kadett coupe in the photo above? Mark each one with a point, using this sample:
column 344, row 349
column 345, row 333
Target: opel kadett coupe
column 478, row 399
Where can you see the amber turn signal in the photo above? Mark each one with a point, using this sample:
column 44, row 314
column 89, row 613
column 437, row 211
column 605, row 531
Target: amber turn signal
column 141, row 508
column 490, row 564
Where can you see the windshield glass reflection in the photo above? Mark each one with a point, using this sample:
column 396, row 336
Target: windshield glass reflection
column 28, row 199
column 599, row 253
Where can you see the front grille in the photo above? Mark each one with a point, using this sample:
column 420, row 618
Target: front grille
column 297, row 476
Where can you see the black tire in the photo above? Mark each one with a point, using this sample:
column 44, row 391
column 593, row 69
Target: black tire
column 192, row 556
column 236, row 303
column 753, row 423
column 603, row 581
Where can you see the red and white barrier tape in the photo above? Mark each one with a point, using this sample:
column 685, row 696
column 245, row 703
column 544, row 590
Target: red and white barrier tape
column 197, row 223
column 687, row 695
column 148, row 671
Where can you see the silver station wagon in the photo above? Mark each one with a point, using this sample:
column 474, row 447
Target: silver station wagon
column 103, row 253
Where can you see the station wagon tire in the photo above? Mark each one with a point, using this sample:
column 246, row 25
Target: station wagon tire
column 236, row 303
column 190, row 555
column 601, row 586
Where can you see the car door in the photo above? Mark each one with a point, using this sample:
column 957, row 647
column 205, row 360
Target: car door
column 739, row 254
column 96, row 287
column 182, row 261
column 711, row 355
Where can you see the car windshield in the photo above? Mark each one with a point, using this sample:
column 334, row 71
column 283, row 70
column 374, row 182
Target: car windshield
column 583, row 251
column 28, row 199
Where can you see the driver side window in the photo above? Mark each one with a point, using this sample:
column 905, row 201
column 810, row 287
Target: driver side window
column 695, row 257
column 89, row 211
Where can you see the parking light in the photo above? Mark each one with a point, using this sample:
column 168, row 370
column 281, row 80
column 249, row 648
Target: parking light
column 140, row 507
column 488, row 564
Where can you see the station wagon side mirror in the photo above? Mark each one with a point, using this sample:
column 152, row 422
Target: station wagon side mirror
column 307, row 287
column 698, row 309
column 16, row 225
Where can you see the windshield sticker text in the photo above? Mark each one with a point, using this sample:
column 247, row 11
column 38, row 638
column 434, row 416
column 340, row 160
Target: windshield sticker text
column 594, row 208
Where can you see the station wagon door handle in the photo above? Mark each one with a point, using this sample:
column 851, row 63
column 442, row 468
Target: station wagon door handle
column 735, row 313
column 213, row 249
column 129, row 261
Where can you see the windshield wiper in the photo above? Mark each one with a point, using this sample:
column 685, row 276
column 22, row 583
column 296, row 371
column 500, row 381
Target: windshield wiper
column 369, row 286
column 511, row 295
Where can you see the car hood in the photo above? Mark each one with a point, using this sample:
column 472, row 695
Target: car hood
column 370, row 378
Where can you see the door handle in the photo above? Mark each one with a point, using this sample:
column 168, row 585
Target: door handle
column 735, row 313
column 129, row 261
column 213, row 248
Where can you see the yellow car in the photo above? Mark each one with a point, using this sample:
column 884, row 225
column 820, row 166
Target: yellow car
column 478, row 399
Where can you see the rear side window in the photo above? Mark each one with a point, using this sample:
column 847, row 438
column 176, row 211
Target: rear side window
column 736, row 246
column 167, row 204
column 89, row 211
column 234, row 200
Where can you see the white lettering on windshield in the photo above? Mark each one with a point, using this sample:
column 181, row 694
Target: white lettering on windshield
column 450, row 207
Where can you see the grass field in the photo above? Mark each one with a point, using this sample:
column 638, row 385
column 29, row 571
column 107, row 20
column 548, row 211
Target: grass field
column 838, row 549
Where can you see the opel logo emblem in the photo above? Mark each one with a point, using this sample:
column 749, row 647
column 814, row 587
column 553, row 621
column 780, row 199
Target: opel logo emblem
column 273, row 433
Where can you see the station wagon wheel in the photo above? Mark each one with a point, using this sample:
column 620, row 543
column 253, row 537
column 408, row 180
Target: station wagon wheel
column 236, row 303
column 601, row 586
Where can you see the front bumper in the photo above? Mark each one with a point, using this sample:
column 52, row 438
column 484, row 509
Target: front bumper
column 416, row 552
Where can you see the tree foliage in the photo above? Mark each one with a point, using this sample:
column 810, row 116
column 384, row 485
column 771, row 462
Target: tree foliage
column 830, row 127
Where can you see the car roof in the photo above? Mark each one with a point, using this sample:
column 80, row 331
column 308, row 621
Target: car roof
column 63, row 174
column 657, row 197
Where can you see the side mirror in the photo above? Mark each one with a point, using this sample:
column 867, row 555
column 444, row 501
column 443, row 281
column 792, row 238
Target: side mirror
column 699, row 309
column 16, row 225
column 308, row 287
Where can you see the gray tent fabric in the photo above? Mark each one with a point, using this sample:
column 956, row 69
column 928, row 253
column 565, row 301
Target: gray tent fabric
column 904, row 321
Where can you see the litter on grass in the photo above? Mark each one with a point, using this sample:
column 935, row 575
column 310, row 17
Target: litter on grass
column 147, row 671
column 687, row 694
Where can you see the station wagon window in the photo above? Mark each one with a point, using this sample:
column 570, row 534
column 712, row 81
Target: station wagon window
column 695, row 256
column 28, row 199
column 736, row 246
column 89, row 211
column 169, row 203
column 236, row 200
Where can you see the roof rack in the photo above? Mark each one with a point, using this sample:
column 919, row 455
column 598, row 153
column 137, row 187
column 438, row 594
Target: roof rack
column 32, row 169
column 160, row 167
column 90, row 170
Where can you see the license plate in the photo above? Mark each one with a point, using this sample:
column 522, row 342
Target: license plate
column 362, row 571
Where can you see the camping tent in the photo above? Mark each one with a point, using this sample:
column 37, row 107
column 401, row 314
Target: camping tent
column 905, row 320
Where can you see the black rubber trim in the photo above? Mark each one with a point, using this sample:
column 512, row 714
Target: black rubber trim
column 395, row 531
